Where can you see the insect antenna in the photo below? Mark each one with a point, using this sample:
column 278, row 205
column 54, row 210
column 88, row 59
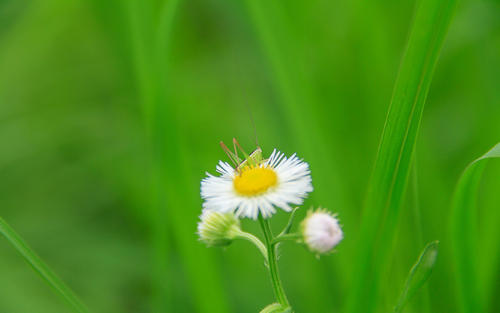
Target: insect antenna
column 239, row 66
column 233, row 156
column 252, row 121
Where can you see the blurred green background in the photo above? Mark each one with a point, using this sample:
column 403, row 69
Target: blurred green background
column 111, row 112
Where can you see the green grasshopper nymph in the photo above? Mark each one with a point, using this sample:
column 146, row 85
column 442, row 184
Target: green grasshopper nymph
column 252, row 159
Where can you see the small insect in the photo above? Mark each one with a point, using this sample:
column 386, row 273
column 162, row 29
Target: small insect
column 252, row 159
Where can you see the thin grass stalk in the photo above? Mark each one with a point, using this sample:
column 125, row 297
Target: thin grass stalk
column 392, row 166
column 417, row 216
column 139, row 17
column 41, row 268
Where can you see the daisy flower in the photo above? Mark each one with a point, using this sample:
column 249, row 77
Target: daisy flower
column 257, row 185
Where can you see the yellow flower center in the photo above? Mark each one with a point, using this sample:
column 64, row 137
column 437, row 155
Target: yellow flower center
column 254, row 180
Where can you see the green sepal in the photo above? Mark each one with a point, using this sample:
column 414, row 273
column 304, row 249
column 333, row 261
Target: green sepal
column 276, row 308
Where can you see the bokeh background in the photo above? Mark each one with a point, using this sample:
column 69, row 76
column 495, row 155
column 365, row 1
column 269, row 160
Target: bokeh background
column 112, row 111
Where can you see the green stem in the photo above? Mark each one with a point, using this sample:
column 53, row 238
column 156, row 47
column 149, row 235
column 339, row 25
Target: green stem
column 288, row 226
column 273, row 263
column 287, row 237
column 256, row 241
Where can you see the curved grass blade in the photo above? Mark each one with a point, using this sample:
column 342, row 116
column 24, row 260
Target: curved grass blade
column 390, row 175
column 40, row 267
column 464, row 234
column 418, row 275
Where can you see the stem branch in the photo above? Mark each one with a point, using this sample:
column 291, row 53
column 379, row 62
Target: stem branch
column 286, row 237
column 256, row 241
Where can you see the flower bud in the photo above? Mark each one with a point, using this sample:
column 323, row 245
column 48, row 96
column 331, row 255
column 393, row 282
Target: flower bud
column 321, row 231
column 218, row 229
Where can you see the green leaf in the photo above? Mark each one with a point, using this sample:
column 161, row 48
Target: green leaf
column 390, row 175
column 418, row 275
column 464, row 234
column 40, row 267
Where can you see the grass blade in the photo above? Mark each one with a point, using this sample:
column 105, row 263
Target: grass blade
column 392, row 166
column 464, row 234
column 418, row 275
column 152, row 44
column 40, row 267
